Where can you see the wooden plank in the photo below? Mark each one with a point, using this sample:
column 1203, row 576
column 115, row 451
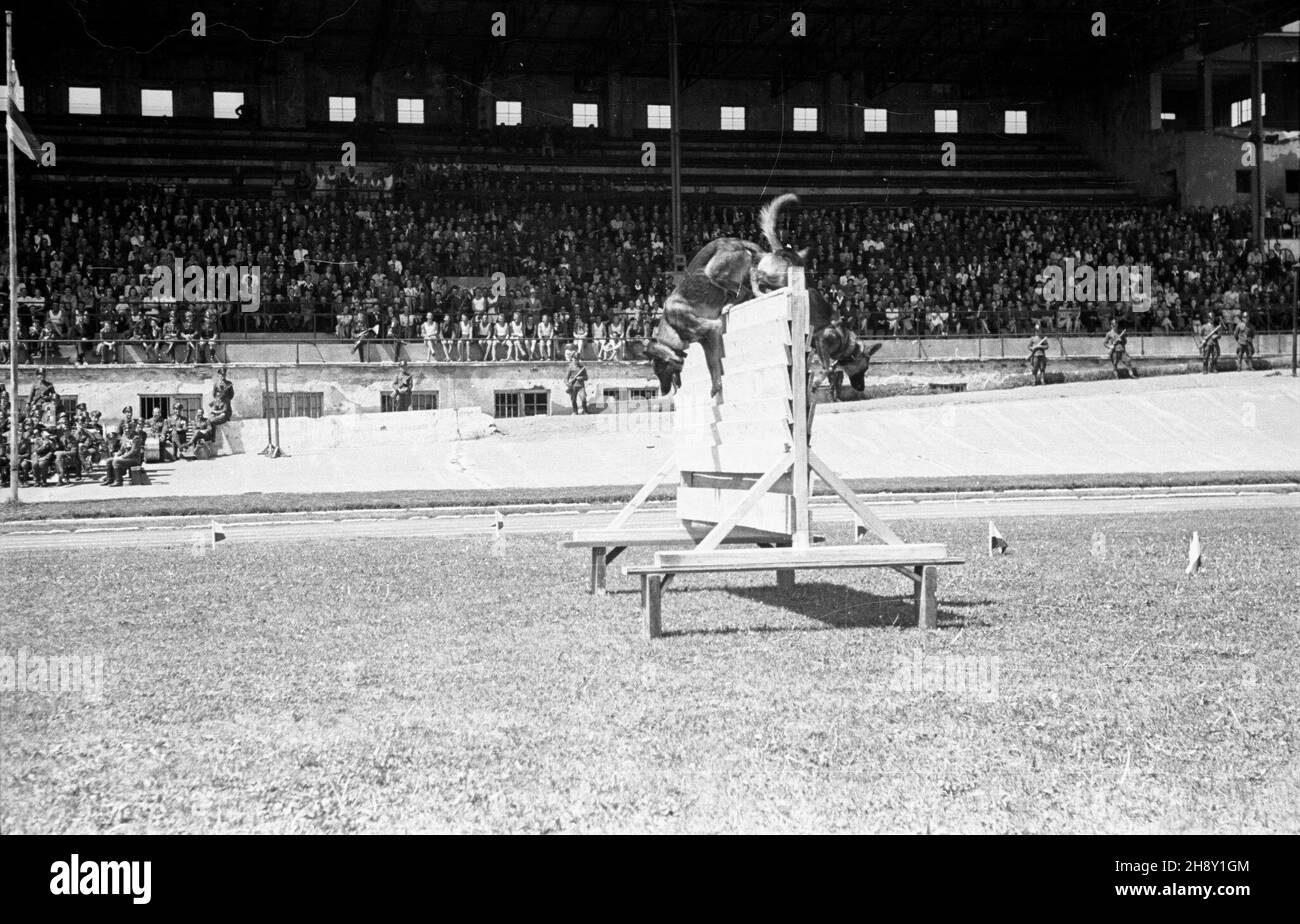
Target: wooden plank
column 757, row 344
column 748, row 409
column 771, row 513
column 927, row 598
column 798, row 303
column 739, row 535
column 735, row 481
column 840, row 556
column 755, row 495
column 597, row 582
column 755, row 382
column 729, row 457
column 759, row 311
column 773, row 432
column 653, row 595
column 627, row 538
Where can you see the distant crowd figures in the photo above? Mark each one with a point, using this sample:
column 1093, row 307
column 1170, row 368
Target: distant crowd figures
column 163, row 334
column 65, row 444
column 905, row 271
column 484, row 337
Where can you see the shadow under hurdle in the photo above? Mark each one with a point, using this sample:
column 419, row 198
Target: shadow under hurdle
column 745, row 472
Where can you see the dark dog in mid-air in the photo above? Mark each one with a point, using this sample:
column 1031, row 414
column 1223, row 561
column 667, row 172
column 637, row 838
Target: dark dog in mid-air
column 718, row 276
column 728, row 271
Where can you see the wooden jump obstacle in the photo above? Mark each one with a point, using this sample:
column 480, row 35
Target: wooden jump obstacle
column 746, row 470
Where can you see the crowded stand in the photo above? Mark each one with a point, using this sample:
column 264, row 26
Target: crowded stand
column 588, row 265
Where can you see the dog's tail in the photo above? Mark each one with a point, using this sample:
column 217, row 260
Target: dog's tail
column 767, row 220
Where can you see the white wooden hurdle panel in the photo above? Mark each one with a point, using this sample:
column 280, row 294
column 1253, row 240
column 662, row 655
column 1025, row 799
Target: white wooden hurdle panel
column 743, row 435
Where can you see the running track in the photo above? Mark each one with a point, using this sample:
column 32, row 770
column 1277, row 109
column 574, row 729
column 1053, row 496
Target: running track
column 431, row 524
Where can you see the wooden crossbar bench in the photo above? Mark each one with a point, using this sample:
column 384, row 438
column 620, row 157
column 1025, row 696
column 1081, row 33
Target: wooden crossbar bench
column 917, row 561
column 608, row 544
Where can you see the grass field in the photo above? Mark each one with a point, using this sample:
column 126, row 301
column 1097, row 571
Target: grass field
column 251, row 503
column 341, row 686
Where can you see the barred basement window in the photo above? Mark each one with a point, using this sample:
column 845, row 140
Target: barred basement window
column 150, row 403
column 630, row 394
column 190, row 404
column 420, row 401
column 68, row 405
column 531, row 403
column 295, row 404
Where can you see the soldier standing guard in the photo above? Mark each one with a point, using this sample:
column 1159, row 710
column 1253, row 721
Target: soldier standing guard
column 575, row 381
column 1244, row 333
column 1038, row 355
column 1116, row 345
column 402, row 387
column 1209, row 335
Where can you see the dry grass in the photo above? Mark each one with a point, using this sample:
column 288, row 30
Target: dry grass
column 339, row 686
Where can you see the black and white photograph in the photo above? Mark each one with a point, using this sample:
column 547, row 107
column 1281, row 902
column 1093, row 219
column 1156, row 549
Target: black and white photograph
column 652, row 417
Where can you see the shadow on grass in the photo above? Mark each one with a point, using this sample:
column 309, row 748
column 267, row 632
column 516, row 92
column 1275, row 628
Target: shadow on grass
column 834, row 606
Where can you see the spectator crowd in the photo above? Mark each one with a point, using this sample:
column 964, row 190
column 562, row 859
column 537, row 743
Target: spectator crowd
column 587, row 264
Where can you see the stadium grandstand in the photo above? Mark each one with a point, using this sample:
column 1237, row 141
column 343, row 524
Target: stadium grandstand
column 466, row 184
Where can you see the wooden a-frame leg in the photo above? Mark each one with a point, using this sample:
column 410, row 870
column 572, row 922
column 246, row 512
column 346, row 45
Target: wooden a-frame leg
column 653, row 604
column 925, row 595
column 600, row 561
column 785, row 576
column 597, row 583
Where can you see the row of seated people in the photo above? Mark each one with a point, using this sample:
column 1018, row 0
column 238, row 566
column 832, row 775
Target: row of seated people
column 179, row 336
column 522, row 338
column 594, row 252
column 68, row 448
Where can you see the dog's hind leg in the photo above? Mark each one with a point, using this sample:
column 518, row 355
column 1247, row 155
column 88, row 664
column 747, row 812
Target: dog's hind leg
column 711, row 341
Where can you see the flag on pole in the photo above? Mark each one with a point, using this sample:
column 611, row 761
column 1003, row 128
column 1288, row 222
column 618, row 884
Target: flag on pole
column 1194, row 555
column 996, row 542
column 498, row 532
column 20, row 133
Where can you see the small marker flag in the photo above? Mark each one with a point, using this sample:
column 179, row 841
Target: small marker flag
column 996, row 542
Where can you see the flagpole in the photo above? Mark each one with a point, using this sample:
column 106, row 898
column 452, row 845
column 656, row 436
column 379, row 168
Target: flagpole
column 10, row 102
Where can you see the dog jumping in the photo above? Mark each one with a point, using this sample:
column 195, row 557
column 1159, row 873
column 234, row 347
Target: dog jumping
column 728, row 271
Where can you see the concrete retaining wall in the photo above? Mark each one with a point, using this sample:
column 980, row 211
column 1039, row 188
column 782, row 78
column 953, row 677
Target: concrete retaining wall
column 351, row 388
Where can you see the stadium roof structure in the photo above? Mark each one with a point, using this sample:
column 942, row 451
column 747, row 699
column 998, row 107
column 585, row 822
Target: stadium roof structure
column 977, row 45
